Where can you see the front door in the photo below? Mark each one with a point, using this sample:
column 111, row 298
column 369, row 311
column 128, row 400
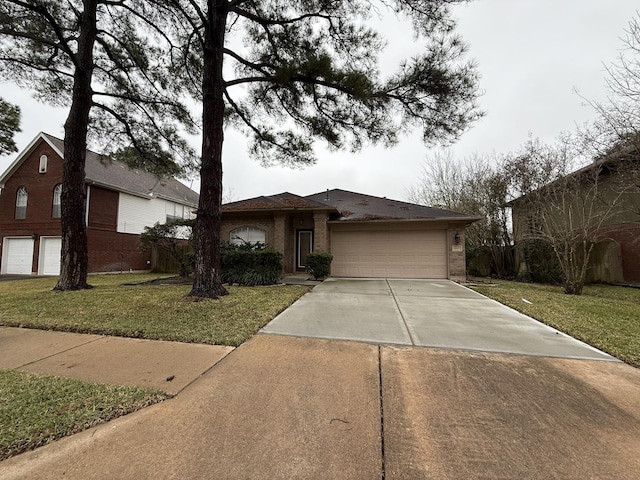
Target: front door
column 305, row 247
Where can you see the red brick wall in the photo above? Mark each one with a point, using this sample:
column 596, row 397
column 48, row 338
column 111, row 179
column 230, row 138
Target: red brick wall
column 103, row 209
column 40, row 190
column 115, row 252
column 110, row 251
column 628, row 236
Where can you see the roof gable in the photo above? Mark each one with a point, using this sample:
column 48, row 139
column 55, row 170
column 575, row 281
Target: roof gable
column 102, row 171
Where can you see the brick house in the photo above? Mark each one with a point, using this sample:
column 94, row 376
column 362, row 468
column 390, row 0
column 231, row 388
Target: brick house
column 368, row 236
column 615, row 207
column 120, row 203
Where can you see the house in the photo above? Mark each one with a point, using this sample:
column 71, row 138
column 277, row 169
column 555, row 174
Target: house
column 368, row 236
column 604, row 201
column 120, row 203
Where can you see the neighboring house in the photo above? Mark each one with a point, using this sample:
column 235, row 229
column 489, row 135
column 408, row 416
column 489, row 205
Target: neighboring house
column 613, row 204
column 368, row 236
column 120, row 203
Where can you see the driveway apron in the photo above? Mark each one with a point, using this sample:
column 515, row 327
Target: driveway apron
column 432, row 313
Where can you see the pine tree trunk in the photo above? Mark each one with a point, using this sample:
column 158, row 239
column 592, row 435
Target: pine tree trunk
column 74, row 261
column 207, row 280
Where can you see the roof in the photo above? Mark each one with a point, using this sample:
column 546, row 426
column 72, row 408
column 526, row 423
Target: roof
column 105, row 172
column 357, row 206
column 281, row 201
column 602, row 166
column 346, row 206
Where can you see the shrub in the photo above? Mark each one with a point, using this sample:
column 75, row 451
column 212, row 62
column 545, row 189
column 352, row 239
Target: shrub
column 319, row 264
column 250, row 265
column 542, row 263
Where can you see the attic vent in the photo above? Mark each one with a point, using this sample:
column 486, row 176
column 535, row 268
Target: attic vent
column 43, row 164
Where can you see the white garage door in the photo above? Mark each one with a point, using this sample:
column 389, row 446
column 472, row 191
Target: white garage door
column 17, row 255
column 389, row 253
column 50, row 255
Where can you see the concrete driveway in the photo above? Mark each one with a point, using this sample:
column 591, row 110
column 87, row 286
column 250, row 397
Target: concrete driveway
column 431, row 313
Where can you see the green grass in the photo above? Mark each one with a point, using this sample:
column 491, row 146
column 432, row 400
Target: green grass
column 606, row 317
column 36, row 409
column 143, row 311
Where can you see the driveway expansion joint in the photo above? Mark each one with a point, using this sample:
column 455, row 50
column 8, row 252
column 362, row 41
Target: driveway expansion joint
column 382, row 450
column 404, row 321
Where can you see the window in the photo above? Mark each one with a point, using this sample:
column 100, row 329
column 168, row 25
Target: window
column 174, row 211
column 57, row 201
column 243, row 235
column 21, row 204
column 43, row 164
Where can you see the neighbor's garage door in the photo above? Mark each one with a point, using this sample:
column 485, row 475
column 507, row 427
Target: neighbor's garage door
column 50, row 255
column 389, row 253
column 17, row 255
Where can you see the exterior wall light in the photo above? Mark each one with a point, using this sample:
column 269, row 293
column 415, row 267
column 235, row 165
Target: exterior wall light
column 456, row 237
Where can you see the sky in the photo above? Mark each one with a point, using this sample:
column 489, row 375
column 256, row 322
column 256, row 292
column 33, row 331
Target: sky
column 532, row 56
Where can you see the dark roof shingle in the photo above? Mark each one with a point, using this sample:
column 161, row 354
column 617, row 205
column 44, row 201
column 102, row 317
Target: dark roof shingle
column 357, row 206
column 281, row 201
column 103, row 171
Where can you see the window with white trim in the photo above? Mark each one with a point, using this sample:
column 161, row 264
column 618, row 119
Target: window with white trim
column 244, row 235
column 42, row 167
column 57, row 201
column 21, row 203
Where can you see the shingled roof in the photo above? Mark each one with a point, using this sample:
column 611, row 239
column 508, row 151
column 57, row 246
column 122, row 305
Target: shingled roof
column 102, row 171
column 346, row 206
column 281, row 201
column 357, row 207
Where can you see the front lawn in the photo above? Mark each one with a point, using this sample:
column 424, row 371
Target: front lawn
column 36, row 409
column 606, row 317
column 157, row 312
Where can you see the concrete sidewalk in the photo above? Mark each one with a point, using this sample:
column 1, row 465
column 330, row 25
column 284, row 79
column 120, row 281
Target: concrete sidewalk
column 168, row 366
column 282, row 407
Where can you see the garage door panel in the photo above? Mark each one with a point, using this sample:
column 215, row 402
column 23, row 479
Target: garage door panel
column 17, row 256
column 389, row 253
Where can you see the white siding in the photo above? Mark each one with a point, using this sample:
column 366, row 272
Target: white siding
column 135, row 213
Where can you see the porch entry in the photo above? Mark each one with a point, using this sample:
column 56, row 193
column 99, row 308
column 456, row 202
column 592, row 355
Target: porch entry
column 304, row 246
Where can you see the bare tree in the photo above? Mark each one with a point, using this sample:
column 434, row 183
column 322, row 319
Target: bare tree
column 474, row 185
column 618, row 117
column 565, row 207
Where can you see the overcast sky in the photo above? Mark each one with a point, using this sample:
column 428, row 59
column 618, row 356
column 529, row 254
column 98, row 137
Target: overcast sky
column 531, row 55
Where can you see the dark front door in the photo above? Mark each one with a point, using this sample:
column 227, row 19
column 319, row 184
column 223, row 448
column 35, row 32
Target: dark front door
column 305, row 247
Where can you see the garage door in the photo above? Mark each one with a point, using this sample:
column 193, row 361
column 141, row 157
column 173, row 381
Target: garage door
column 17, row 255
column 50, row 255
column 389, row 253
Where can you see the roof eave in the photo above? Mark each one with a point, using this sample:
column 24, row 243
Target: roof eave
column 280, row 209
column 466, row 220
